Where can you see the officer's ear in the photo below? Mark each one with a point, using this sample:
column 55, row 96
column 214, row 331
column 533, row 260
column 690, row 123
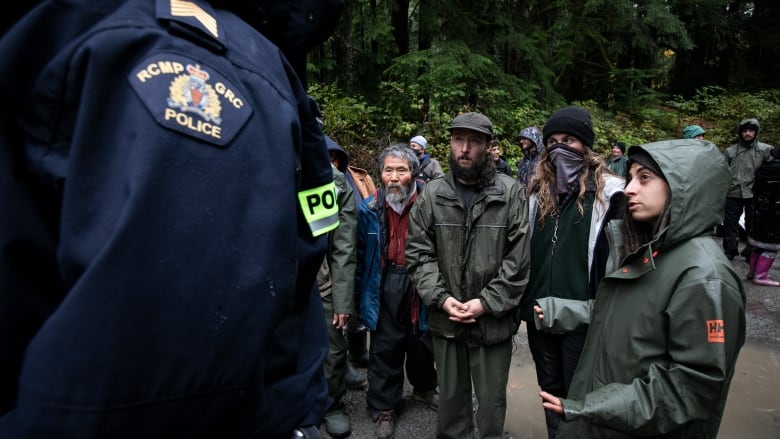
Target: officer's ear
column 295, row 26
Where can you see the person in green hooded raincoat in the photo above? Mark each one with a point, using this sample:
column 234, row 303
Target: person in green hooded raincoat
column 668, row 320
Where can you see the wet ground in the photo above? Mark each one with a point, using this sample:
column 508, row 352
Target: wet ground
column 752, row 410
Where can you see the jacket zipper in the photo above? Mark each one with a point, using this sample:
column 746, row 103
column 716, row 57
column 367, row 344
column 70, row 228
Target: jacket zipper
column 464, row 243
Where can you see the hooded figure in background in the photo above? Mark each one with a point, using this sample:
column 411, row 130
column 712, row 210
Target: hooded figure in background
column 358, row 178
column 157, row 273
column 355, row 332
column 530, row 140
column 743, row 158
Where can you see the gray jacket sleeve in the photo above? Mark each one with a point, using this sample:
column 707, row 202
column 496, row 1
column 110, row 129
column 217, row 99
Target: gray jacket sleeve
column 562, row 316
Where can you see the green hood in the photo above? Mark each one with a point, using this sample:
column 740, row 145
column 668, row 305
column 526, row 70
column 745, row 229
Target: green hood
column 699, row 180
column 748, row 121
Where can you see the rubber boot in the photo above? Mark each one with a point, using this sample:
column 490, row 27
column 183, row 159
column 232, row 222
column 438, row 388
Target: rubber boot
column 337, row 422
column 752, row 264
column 762, row 271
column 357, row 346
column 353, row 379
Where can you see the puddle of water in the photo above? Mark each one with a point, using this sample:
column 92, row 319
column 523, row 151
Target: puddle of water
column 753, row 406
column 752, row 409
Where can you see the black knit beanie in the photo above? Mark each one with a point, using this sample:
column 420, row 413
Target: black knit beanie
column 571, row 120
column 638, row 155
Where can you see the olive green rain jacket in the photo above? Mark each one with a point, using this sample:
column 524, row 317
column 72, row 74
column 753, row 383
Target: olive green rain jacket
column 480, row 252
column 337, row 272
column 668, row 323
column 743, row 160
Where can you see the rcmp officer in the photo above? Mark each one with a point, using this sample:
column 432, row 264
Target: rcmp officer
column 157, row 267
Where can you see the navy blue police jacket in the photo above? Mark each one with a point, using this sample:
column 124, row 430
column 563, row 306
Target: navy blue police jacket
column 157, row 262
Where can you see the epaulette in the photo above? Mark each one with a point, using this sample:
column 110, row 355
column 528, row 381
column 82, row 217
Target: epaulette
column 194, row 14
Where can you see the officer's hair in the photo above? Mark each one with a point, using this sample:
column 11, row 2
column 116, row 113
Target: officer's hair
column 403, row 152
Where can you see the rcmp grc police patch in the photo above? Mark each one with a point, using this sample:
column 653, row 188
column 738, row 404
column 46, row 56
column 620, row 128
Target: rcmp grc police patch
column 190, row 97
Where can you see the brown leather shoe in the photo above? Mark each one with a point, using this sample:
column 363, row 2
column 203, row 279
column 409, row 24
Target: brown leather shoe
column 385, row 424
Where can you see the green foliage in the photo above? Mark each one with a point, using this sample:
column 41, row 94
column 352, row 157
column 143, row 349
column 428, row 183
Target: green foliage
column 719, row 112
column 643, row 69
column 363, row 130
column 446, row 78
column 352, row 123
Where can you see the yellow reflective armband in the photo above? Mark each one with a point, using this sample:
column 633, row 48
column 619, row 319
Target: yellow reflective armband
column 320, row 208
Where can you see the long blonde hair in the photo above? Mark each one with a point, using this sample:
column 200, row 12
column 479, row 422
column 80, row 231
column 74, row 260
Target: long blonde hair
column 543, row 183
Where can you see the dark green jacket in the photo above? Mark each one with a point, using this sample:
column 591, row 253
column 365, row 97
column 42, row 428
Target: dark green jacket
column 619, row 166
column 337, row 272
column 743, row 160
column 578, row 302
column 668, row 323
column 480, row 252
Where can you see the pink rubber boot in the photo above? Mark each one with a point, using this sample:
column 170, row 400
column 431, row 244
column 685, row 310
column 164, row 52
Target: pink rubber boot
column 752, row 262
column 762, row 272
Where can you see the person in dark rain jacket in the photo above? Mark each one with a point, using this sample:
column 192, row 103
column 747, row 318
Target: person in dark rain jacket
column 743, row 158
column 467, row 254
column 669, row 318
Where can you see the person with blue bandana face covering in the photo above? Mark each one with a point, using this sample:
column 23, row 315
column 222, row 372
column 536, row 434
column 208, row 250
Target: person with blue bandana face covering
column 572, row 197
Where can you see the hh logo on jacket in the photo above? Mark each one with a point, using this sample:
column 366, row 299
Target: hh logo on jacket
column 715, row 331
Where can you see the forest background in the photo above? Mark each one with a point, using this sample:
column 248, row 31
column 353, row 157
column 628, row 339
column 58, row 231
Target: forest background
column 644, row 69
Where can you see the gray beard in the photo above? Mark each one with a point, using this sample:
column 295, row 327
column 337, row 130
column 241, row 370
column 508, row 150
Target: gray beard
column 398, row 200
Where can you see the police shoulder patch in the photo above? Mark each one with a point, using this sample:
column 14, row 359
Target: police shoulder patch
column 190, row 97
